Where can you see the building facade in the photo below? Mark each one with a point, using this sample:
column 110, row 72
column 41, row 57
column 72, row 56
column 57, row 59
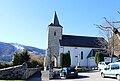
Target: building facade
column 78, row 46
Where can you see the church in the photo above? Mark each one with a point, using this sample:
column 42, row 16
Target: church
column 80, row 47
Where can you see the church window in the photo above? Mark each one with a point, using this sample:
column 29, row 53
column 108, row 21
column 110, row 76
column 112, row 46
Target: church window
column 68, row 51
column 54, row 33
column 81, row 54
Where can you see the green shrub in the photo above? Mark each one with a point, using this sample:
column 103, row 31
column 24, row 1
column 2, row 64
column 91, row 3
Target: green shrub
column 61, row 59
column 21, row 57
column 5, row 65
column 65, row 59
column 68, row 59
column 99, row 57
column 33, row 63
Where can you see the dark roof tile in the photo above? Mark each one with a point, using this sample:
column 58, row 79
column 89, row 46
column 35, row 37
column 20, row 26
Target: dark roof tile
column 105, row 53
column 82, row 41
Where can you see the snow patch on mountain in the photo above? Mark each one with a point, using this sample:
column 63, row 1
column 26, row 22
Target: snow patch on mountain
column 7, row 50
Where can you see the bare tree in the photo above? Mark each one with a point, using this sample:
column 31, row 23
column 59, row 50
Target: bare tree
column 112, row 33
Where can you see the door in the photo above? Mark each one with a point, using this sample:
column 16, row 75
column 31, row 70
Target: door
column 114, row 69
column 107, row 70
column 54, row 61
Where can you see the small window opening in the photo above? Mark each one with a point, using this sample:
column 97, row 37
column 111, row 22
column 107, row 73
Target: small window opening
column 54, row 33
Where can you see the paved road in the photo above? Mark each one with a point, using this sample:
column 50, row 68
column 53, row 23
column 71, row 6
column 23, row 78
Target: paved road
column 88, row 76
column 83, row 76
column 36, row 76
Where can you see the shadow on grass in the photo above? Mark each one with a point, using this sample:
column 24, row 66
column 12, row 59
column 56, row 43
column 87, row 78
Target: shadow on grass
column 12, row 80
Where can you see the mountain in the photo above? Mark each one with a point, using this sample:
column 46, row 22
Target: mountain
column 28, row 48
column 7, row 50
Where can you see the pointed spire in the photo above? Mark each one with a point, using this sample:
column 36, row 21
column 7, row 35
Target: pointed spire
column 55, row 21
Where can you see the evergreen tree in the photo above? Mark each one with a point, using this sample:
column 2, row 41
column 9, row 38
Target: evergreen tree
column 61, row 59
column 65, row 59
column 20, row 57
column 68, row 59
column 99, row 57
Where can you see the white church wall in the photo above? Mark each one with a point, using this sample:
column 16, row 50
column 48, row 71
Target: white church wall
column 75, row 53
column 86, row 51
column 91, row 62
column 107, row 59
column 72, row 54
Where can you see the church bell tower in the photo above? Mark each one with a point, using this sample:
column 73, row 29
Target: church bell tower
column 54, row 35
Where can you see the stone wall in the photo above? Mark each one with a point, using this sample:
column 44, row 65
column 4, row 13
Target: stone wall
column 17, row 72
column 31, row 71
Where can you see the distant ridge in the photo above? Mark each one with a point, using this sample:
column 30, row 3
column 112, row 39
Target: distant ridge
column 7, row 50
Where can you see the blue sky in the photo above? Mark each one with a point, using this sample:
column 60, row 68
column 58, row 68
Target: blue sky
column 26, row 21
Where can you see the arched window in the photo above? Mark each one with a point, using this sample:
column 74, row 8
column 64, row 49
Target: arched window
column 68, row 51
column 81, row 54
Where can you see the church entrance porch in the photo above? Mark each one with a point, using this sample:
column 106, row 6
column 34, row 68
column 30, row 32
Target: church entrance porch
column 54, row 61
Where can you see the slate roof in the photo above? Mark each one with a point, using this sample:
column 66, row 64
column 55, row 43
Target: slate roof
column 55, row 21
column 93, row 52
column 82, row 41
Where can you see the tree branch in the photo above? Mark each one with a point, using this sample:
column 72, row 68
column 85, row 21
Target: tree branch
column 109, row 23
column 118, row 12
column 102, row 27
column 116, row 22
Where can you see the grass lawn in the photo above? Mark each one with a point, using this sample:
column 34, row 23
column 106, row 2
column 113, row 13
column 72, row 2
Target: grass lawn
column 12, row 80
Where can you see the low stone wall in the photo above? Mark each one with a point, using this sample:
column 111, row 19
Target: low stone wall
column 17, row 72
column 31, row 71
